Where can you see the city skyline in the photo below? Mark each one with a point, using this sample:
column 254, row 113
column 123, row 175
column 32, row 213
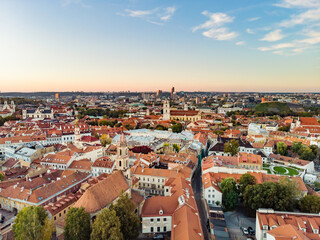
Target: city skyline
column 224, row 46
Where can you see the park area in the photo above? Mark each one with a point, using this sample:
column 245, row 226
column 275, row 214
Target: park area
column 281, row 170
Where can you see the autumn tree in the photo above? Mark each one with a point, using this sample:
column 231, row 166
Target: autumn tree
column 77, row 224
column 107, row 226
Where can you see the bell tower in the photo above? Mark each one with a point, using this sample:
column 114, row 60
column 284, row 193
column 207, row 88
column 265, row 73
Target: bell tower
column 166, row 110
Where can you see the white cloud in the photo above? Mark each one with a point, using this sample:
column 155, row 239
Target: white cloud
column 298, row 3
column 219, row 34
column 250, row 31
column 273, row 36
column 169, row 11
column 313, row 38
column 277, row 46
column 240, row 43
column 215, row 19
column 308, row 16
column 138, row 13
column 156, row 16
column 253, row 19
column 214, row 26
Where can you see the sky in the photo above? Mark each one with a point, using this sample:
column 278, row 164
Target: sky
column 145, row 45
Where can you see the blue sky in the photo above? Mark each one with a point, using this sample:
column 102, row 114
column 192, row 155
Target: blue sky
column 141, row 45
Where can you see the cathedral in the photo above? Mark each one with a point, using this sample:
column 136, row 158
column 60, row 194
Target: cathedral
column 7, row 109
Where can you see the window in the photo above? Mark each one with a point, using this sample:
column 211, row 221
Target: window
column 158, row 219
column 158, row 229
column 165, row 219
column 151, row 229
column 151, row 219
column 164, row 229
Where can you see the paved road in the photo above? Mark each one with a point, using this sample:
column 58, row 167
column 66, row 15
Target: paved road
column 237, row 219
column 197, row 190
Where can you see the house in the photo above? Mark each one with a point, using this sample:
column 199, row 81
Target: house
column 152, row 180
column 16, row 197
column 102, row 193
column 217, row 148
column 60, row 160
column 59, row 209
column 176, row 211
column 102, row 165
column 249, row 161
column 274, row 225
column 211, row 191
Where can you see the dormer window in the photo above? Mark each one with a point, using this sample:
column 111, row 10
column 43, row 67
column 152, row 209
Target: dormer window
column 161, row 212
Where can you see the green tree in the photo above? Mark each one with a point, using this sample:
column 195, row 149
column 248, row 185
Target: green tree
column 310, row 204
column 160, row 127
column 229, row 194
column 130, row 222
column 107, row 226
column 1, row 177
column 284, row 128
column 176, row 128
column 228, row 185
column 230, row 201
column 297, row 147
column 176, row 147
column 232, row 147
column 32, row 223
column 307, row 154
column 246, row 180
column 282, row 148
column 269, row 195
column 77, row 224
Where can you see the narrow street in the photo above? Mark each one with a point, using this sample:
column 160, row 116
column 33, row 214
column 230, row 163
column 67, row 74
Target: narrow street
column 197, row 190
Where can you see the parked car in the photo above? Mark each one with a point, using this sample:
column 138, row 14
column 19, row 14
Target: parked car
column 244, row 231
column 251, row 231
column 2, row 218
column 158, row 236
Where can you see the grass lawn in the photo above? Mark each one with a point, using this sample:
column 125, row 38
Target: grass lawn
column 268, row 170
column 266, row 165
column 283, row 171
column 292, row 171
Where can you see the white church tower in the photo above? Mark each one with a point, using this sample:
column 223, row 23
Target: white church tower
column 166, row 110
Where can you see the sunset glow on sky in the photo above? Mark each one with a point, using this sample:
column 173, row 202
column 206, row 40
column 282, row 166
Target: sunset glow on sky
column 145, row 45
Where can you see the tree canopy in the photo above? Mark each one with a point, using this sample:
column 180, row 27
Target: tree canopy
column 77, row 224
column 130, row 222
column 310, row 204
column 269, row 195
column 107, row 226
column 32, row 223
column 232, row 147
column 282, row 148
column 230, row 194
column 246, row 180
